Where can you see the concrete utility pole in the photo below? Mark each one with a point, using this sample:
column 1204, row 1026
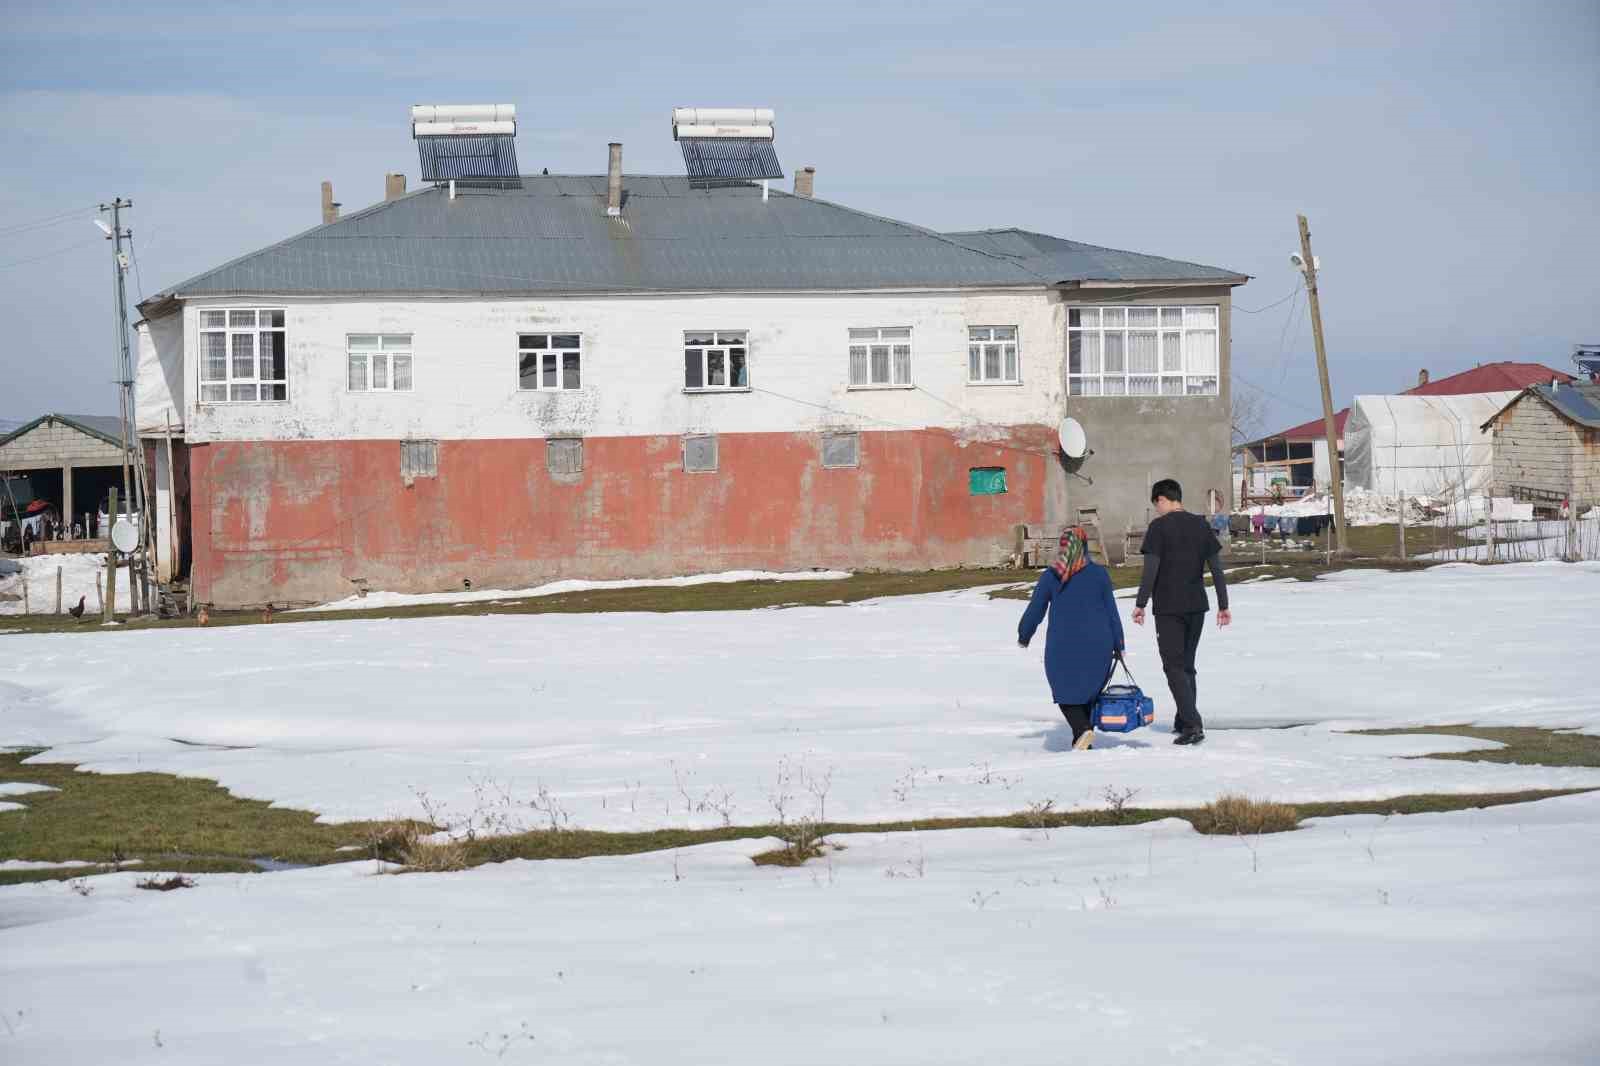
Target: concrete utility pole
column 133, row 502
column 1308, row 264
column 116, row 234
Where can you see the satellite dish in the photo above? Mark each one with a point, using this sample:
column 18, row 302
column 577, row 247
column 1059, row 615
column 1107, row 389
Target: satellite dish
column 1074, row 442
column 124, row 535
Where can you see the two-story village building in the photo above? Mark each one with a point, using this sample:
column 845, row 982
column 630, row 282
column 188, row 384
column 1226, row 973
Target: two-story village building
column 505, row 385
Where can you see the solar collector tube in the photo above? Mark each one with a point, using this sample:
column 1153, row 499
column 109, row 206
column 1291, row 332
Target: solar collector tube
column 743, row 133
column 722, row 116
column 462, row 129
column 447, row 113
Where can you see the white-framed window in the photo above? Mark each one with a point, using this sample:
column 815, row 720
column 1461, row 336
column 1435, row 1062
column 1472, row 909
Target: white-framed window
column 378, row 362
column 880, row 358
column 1142, row 351
column 244, row 357
column 716, row 359
column 992, row 356
column 549, row 362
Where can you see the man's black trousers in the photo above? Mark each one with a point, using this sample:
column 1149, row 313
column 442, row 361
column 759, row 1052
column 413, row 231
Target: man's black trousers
column 1178, row 636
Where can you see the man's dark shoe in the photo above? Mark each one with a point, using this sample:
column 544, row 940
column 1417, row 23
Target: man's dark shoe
column 1191, row 736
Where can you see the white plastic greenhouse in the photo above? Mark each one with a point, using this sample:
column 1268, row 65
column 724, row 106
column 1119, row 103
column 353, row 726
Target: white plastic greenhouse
column 1422, row 445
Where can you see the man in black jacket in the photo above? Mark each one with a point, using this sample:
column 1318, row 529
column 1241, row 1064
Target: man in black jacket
column 1178, row 548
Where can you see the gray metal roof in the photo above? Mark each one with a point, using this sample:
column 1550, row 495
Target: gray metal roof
column 107, row 427
column 1578, row 403
column 1061, row 260
column 552, row 235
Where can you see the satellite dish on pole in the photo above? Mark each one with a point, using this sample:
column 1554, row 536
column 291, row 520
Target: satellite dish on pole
column 124, row 535
column 1074, row 442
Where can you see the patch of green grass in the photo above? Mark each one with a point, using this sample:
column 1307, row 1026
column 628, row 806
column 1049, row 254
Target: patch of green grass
column 1527, row 745
column 180, row 824
column 191, row 825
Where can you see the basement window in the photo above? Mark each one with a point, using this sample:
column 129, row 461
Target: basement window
column 841, row 450
column 378, row 362
column 880, row 358
column 716, row 360
column 418, row 458
column 563, row 456
column 244, row 357
column 700, row 454
column 549, row 362
column 986, row 480
column 992, row 356
column 1142, row 351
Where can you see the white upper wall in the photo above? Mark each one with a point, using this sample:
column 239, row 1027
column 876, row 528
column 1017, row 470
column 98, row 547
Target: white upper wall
column 466, row 383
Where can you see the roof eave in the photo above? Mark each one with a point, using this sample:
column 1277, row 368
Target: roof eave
column 1229, row 280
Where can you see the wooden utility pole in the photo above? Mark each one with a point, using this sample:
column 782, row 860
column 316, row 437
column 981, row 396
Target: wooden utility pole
column 1309, row 266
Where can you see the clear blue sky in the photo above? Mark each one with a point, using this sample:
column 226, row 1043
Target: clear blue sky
column 1448, row 154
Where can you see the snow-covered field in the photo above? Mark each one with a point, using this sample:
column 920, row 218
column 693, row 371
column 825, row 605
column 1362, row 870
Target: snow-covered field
column 1456, row 938
column 79, row 573
column 903, row 707
column 1448, row 939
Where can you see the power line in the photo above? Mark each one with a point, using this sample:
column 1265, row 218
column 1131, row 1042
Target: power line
column 47, row 255
column 1270, row 306
column 137, row 277
column 1241, row 379
column 49, row 220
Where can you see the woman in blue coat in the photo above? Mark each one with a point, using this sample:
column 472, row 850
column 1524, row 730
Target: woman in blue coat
column 1085, row 631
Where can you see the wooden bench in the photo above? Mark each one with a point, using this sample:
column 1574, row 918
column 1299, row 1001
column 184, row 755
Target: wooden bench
column 1037, row 545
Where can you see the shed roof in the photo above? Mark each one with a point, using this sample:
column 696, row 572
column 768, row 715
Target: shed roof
column 552, row 235
column 106, row 427
column 1575, row 403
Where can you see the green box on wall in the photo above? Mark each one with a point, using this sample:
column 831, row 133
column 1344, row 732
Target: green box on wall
column 987, row 480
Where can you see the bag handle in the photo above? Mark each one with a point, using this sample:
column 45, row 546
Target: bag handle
column 1118, row 660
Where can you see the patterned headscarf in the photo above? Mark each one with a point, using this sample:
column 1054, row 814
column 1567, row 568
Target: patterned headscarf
column 1074, row 553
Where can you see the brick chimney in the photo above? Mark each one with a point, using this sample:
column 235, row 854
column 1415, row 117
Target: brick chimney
column 804, row 181
column 394, row 186
column 614, row 181
column 1422, row 378
column 330, row 209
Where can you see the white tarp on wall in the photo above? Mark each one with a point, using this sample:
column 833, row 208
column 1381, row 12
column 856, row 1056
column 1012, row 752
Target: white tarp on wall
column 1422, row 445
column 158, row 380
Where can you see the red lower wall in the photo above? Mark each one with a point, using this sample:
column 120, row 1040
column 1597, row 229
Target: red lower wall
column 299, row 521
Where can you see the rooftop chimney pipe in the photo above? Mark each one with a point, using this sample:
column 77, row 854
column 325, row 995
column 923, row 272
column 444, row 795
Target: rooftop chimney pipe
column 614, row 181
column 804, row 179
column 1422, row 377
column 394, row 186
column 330, row 209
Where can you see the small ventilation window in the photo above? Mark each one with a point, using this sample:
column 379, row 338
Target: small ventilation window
column 840, row 450
column 418, row 458
column 700, row 454
column 986, row 480
column 563, row 456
